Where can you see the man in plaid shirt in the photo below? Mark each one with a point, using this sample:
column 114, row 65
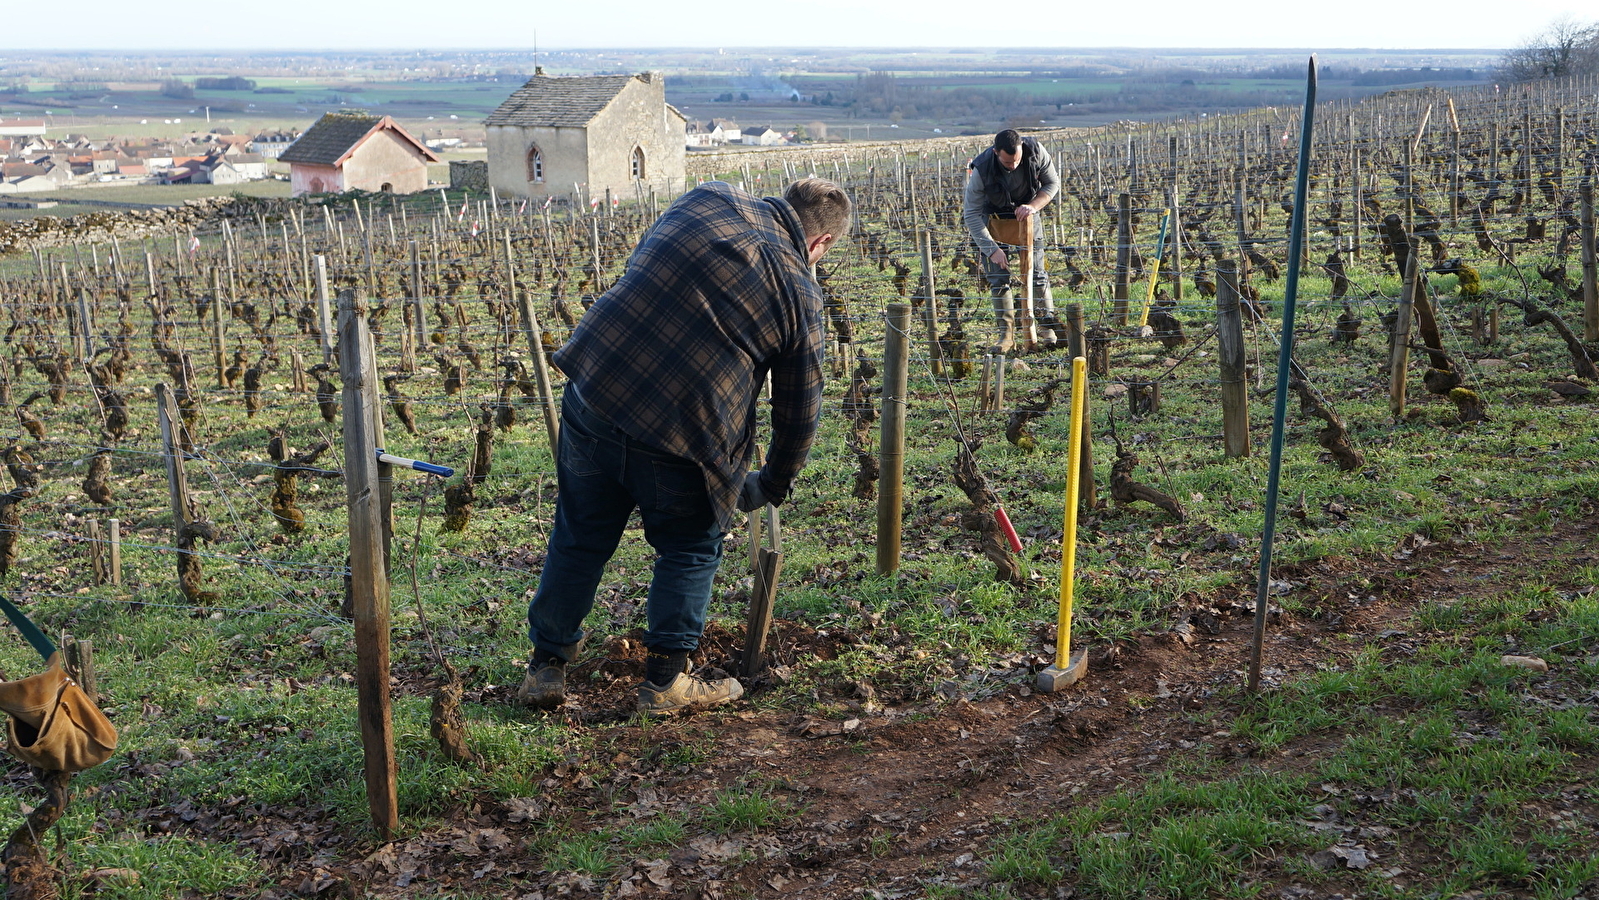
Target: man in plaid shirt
column 659, row 415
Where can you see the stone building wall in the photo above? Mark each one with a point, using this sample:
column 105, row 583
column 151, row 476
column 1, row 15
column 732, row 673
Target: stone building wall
column 469, row 174
column 565, row 159
column 637, row 118
column 591, row 158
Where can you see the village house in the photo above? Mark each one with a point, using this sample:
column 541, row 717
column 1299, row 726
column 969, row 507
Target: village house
column 347, row 151
column 271, row 144
column 762, row 136
column 21, row 127
column 565, row 136
column 714, row 133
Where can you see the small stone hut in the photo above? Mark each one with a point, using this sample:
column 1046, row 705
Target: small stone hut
column 347, row 151
column 570, row 136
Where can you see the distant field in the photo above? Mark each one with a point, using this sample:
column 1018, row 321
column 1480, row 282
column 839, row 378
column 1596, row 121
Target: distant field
column 140, row 195
column 112, row 112
column 166, row 193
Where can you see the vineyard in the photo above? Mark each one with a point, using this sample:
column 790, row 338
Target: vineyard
column 179, row 519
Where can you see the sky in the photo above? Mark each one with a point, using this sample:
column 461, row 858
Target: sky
column 413, row 24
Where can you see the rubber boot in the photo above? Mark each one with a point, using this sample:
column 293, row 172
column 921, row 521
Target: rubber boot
column 1004, row 322
column 1044, row 311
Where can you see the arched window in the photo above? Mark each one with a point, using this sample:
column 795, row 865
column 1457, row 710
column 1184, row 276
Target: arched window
column 387, row 188
column 316, row 185
column 535, row 164
column 638, row 162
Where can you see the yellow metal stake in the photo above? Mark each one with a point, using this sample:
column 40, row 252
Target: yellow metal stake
column 1154, row 270
column 1069, row 669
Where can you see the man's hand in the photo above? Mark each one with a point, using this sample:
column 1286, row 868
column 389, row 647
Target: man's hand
column 750, row 495
column 998, row 259
column 1023, row 212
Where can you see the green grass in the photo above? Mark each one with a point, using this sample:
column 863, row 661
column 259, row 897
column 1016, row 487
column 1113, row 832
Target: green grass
column 1443, row 749
column 747, row 808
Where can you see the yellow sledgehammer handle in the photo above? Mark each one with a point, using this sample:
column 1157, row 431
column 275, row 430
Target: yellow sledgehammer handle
column 1068, row 554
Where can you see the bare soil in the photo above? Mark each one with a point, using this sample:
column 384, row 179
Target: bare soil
column 902, row 794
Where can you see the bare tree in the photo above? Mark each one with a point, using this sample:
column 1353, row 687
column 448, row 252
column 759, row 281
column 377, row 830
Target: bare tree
column 1567, row 47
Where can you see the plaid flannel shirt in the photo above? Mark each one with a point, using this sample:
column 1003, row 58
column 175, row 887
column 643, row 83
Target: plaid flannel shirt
column 716, row 295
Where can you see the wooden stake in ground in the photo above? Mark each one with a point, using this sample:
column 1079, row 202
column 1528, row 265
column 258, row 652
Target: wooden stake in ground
column 891, row 439
column 1590, row 274
column 1230, row 353
column 369, row 583
column 1399, row 347
column 535, row 349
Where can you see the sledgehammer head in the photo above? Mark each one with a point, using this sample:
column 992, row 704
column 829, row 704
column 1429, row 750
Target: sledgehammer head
column 1056, row 678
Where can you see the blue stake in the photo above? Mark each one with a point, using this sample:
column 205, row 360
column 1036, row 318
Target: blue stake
column 430, row 468
column 1285, row 355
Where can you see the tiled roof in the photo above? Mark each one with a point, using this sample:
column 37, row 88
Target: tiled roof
column 336, row 134
column 548, row 100
column 330, row 138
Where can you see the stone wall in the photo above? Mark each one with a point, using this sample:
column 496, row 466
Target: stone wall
column 469, row 175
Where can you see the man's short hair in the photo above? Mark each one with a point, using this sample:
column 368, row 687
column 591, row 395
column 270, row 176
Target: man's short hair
column 1008, row 141
column 822, row 207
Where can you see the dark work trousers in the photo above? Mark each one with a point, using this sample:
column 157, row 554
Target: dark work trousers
column 602, row 476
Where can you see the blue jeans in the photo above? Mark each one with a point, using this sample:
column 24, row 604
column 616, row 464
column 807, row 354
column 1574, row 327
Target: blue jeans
column 602, row 475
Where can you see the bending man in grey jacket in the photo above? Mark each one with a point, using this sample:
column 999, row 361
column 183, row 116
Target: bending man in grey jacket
column 1008, row 184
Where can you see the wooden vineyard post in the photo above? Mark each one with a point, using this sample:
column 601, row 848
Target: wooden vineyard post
column 419, row 327
column 1026, row 325
column 1590, row 290
column 1359, row 212
column 177, row 480
column 1399, row 347
column 1174, row 199
column 114, row 541
column 82, row 653
column 1124, row 251
column 218, row 343
column 935, row 358
column 594, row 231
column 85, row 335
column 535, row 348
column 1076, row 334
column 97, row 564
column 1086, row 496
column 1410, row 187
column 369, row 583
column 61, row 305
column 891, row 439
column 408, row 344
column 1454, row 168
column 1240, row 229
column 1230, row 355
column 324, row 314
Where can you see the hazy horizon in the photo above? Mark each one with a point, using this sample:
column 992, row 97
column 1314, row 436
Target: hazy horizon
column 290, row 25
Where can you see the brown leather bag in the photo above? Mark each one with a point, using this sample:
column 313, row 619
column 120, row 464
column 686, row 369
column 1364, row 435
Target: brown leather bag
column 52, row 724
column 1007, row 230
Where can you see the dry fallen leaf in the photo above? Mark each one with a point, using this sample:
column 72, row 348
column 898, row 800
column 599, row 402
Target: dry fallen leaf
column 523, row 809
